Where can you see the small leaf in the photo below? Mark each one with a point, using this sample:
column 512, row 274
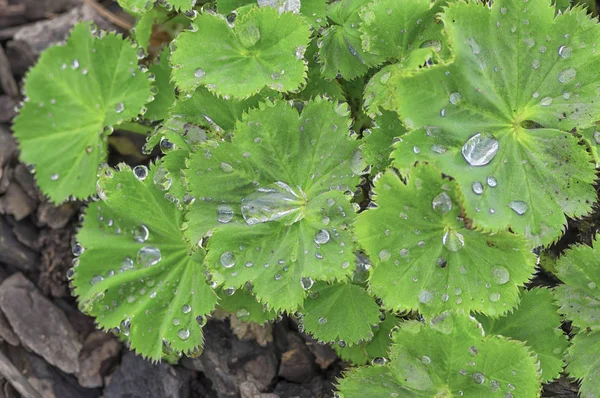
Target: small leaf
column 427, row 259
column 378, row 140
column 579, row 297
column 503, row 108
column 341, row 49
column 378, row 346
column 137, row 273
column 340, row 312
column 316, row 85
column 96, row 79
column 260, row 51
column 394, row 28
column 271, row 203
column 448, row 357
column 583, row 362
column 136, row 6
column 543, row 336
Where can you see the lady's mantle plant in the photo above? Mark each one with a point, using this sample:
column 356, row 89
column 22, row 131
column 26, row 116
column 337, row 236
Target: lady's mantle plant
column 469, row 125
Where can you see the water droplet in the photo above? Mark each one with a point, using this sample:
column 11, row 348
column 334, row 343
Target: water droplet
column 140, row 172
column 416, row 149
column 224, row 214
column 322, row 321
column 503, row 10
column 453, row 240
column 475, row 47
column 535, row 64
column 306, row 283
column 322, row 237
column 494, row 297
column 186, row 309
column 478, row 377
column 385, row 255
column 379, row 361
column 455, row 98
column 546, row 101
column 183, row 334
column 480, row 149
column 126, row 264
column 492, row 182
column 473, row 350
column 567, row 75
column 564, row 51
column 148, row 256
column 54, row 176
column 119, row 107
column 500, row 275
column 226, row 167
column 141, row 233
column 592, row 285
column 518, row 206
column 442, row 203
column 342, row 343
column 77, row 250
column 425, row 297
column 477, row 188
column 199, row 73
column 426, row 360
column 227, row 259
column 96, row 279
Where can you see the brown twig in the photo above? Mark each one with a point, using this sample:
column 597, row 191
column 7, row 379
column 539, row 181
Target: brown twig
column 116, row 20
column 16, row 379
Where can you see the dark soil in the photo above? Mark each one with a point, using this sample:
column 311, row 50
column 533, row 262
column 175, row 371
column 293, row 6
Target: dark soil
column 49, row 349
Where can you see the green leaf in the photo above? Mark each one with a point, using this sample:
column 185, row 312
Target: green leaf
column 263, row 49
column 360, row 354
column 519, row 81
column 341, row 313
column 579, row 297
column 394, row 28
column 96, row 79
column 543, row 336
column 169, row 175
column 227, row 6
column 583, row 363
column 316, row 85
column 378, row 140
column 427, row 259
column 591, row 136
column 449, row 357
column 245, row 307
column 271, row 195
column 136, row 272
column 163, row 90
column 205, row 109
column 181, row 5
column 144, row 25
column 341, row 48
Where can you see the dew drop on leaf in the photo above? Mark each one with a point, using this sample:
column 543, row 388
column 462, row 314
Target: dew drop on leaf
column 140, row 172
column 455, row 98
column 426, row 360
column 322, row 237
column 119, row 107
column 227, row 260
column 278, row 201
column 199, row 73
column 126, row 264
column 546, row 101
column 477, row 188
column 564, row 51
column 480, row 149
column 500, row 275
column 478, row 377
column 592, row 285
column 306, row 283
column 425, row 296
column 224, row 214
column 453, row 240
column 379, row 361
column 442, row 203
column 183, row 334
column 54, row 176
column 226, row 167
column 96, row 279
column 186, row 308
column 494, row 297
column 385, row 255
column 475, row 47
column 567, row 75
column 77, row 250
column 141, row 233
column 518, row 207
column 322, row 321
column 492, row 182
column 148, row 256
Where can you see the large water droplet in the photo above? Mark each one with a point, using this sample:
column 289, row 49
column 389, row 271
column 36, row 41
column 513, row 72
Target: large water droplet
column 478, row 377
column 477, row 188
column 518, row 207
column 455, row 98
column 227, row 259
column 567, row 75
column 140, row 172
column 385, row 255
column 148, row 256
column 322, row 236
column 141, row 233
column 306, row 283
column 564, row 51
column 199, row 73
column 186, row 308
column 480, row 149
column 183, row 334
column 492, row 182
column 224, row 214
column 453, row 240
column 500, row 275
column 546, row 101
column 425, row 296
column 442, row 203
column 275, row 202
